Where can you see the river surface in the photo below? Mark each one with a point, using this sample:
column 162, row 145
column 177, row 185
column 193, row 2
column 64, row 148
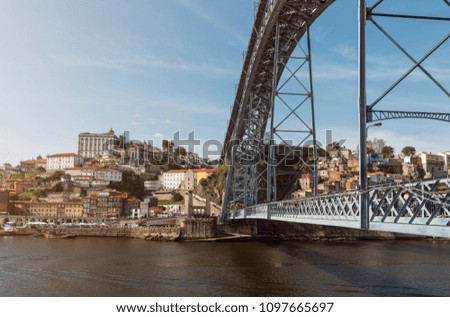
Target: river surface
column 127, row 267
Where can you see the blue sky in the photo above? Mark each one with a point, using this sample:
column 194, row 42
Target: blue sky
column 154, row 67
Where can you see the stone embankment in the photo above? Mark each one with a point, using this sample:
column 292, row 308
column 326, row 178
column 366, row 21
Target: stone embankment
column 186, row 229
column 264, row 229
column 157, row 234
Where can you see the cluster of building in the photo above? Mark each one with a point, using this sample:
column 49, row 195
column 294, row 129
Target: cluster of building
column 103, row 204
column 86, row 176
column 340, row 171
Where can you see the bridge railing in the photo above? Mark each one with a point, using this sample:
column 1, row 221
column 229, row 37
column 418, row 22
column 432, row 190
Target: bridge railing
column 333, row 210
column 421, row 208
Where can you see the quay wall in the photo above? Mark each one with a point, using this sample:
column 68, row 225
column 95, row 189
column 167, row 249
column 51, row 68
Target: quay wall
column 299, row 231
column 202, row 228
column 188, row 229
column 152, row 233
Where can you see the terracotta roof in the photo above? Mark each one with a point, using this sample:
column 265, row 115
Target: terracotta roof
column 112, row 192
column 44, row 202
column 207, row 170
column 63, row 154
column 28, row 162
column 176, row 171
column 32, row 162
column 80, row 168
column 153, row 151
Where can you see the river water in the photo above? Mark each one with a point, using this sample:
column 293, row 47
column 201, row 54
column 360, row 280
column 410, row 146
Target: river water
column 127, row 267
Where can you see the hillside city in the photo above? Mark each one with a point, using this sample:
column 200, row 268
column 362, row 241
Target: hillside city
column 112, row 177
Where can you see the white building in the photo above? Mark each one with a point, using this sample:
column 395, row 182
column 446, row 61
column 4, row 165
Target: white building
column 93, row 145
column 152, row 185
column 89, row 176
column 446, row 156
column 62, row 161
column 432, row 164
column 81, row 171
column 172, row 179
column 108, row 174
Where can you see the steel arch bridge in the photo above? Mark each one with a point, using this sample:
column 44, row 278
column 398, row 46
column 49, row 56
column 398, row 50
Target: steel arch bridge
column 260, row 171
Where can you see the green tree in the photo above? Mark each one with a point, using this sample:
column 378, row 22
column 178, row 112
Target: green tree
column 203, row 182
column 176, row 197
column 167, row 145
column 181, row 151
column 387, row 151
column 55, row 176
column 131, row 183
column 58, row 187
column 409, row 150
column 40, row 170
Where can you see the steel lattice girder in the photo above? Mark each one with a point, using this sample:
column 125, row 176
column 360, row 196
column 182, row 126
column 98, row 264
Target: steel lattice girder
column 251, row 108
column 379, row 115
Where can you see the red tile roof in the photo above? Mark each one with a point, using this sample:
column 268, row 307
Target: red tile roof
column 63, row 154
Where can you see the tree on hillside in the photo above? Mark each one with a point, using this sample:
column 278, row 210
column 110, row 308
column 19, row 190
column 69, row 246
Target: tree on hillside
column 176, row 197
column 131, row 183
column 56, row 175
column 387, row 151
column 167, row 145
column 408, row 150
column 58, row 187
column 181, row 151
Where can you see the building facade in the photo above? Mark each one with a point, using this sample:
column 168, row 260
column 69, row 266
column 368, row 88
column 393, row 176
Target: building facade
column 105, row 204
column 4, row 201
column 62, row 161
column 93, row 145
column 193, row 177
column 108, row 174
column 432, row 164
column 31, row 165
column 56, row 209
column 152, row 185
column 47, row 209
column 446, row 156
column 173, row 179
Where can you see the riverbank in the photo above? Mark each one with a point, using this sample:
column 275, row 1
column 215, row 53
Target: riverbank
column 287, row 231
column 185, row 229
column 206, row 230
column 155, row 234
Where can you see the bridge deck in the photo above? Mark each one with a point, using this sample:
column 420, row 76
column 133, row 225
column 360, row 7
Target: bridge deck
column 421, row 208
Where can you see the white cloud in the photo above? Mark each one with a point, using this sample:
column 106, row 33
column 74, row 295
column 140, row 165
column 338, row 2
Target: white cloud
column 214, row 20
column 346, row 51
column 136, row 63
column 421, row 134
column 422, row 139
column 334, row 71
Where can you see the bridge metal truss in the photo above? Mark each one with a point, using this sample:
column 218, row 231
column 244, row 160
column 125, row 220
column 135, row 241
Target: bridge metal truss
column 366, row 110
column 421, row 208
column 378, row 115
column 279, row 26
